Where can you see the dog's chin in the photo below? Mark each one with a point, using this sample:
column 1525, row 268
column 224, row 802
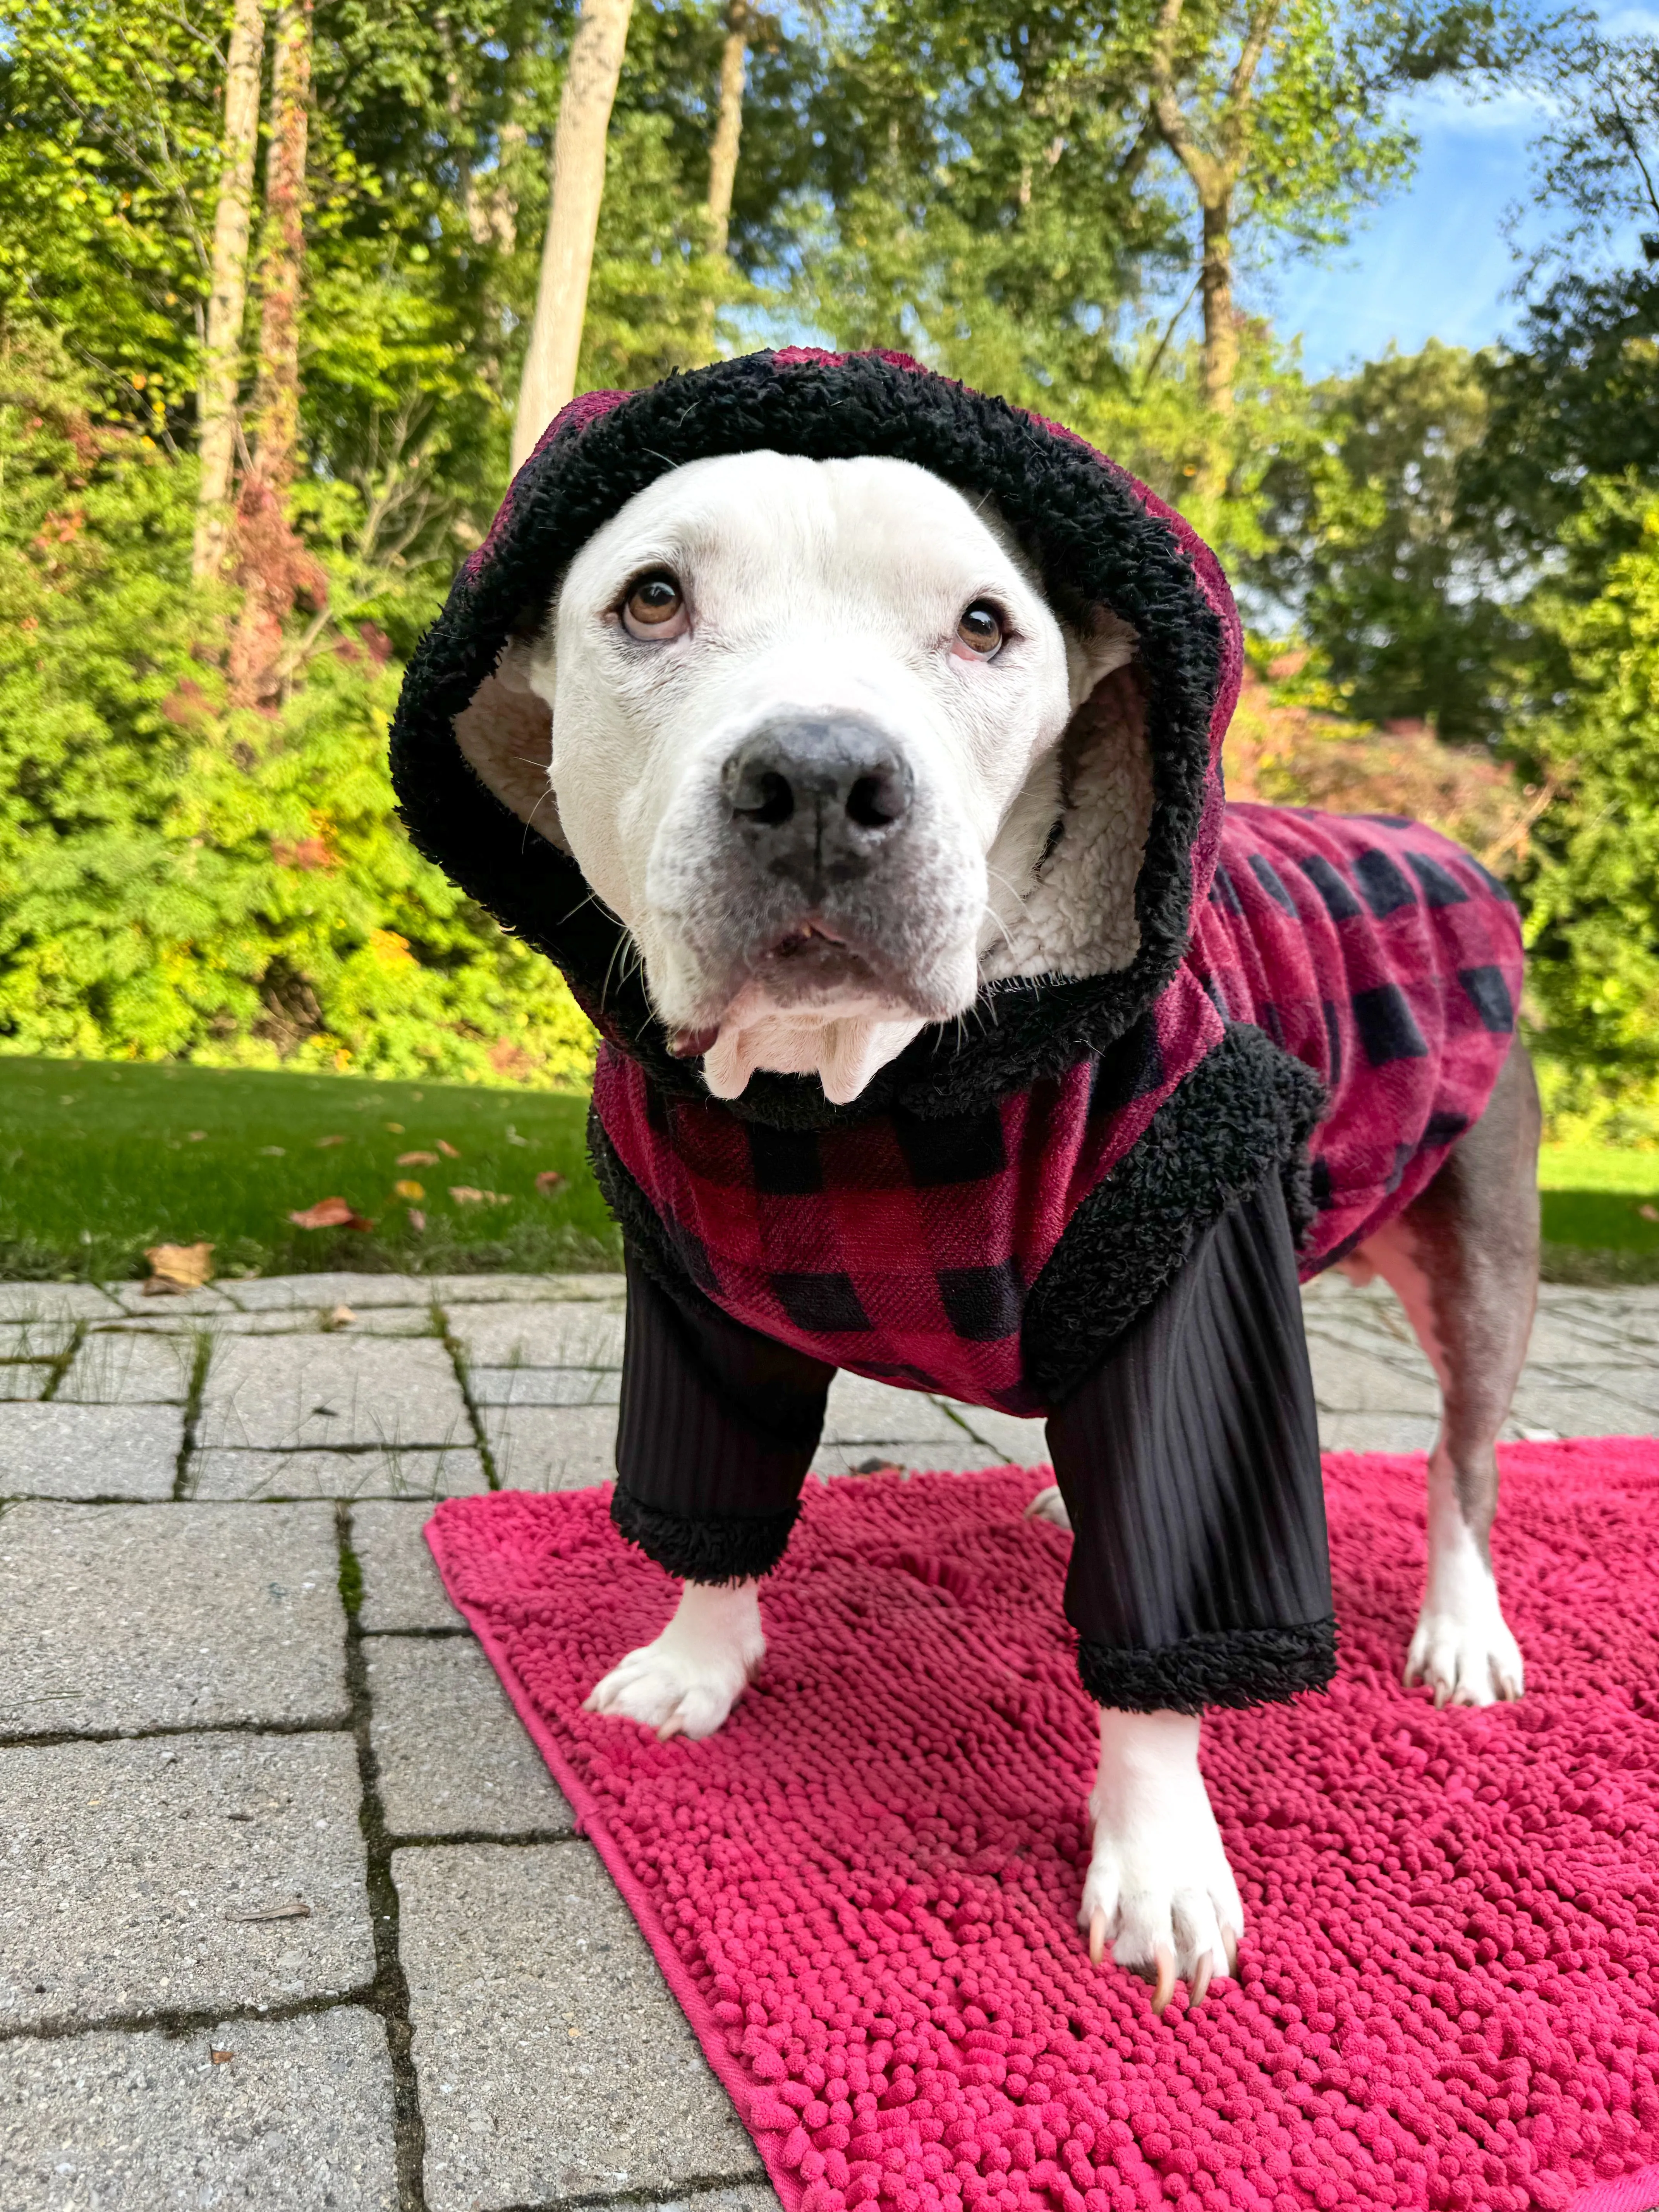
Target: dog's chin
column 842, row 1050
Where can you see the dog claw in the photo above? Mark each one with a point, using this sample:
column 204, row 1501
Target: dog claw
column 1163, row 1959
column 1199, row 1983
column 1097, row 1939
column 1231, row 1942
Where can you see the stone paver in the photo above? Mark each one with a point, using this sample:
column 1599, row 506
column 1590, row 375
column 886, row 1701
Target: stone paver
column 551, row 1448
column 554, row 2062
column 538, row 1335
column 413, row 1473
column 400, row 1586
column 298, row 2115
column 552, row 2067
column 128, row 1863
column 116, row 1368
column 124, row 1617
column 331, row 1390
column 22, row 1379
column 454, row 1759
column 137, row 1298
column 55, row 1450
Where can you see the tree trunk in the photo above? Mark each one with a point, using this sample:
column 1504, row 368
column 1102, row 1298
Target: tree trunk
column 274, row 568
column 728, row 127
column 1220, row 364
column 227, row 298
column 572, row 218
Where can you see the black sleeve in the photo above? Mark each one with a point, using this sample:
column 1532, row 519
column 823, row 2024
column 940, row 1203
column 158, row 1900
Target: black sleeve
column 1189, row 1464
column 717, row 1431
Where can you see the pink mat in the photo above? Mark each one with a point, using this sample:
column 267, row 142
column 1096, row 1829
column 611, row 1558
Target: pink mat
column 863, row 1890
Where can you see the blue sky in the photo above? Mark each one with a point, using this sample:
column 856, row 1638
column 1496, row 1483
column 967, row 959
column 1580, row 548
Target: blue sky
column 1433, row 261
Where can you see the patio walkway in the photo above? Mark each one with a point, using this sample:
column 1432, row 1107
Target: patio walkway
column 291, row 1913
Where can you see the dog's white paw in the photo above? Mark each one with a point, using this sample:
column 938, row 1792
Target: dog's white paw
column 687, row 1681
column 1049, row 1505
column 1160, row 1890
column 1467, row 1656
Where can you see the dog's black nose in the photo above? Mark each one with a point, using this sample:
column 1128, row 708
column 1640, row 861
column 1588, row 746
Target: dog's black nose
column 818, row 797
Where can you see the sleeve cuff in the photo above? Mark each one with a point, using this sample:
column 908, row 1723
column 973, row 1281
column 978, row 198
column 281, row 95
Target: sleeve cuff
column 1238, row 1666
column 718, row 1548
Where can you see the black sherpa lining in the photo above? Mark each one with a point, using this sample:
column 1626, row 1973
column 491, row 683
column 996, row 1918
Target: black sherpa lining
column 1094, row 545
column 1244, row 1113
column 728, row 1549
column 1239, row 1667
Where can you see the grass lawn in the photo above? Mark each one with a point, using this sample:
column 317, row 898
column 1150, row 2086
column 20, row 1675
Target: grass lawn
column 97, row 1160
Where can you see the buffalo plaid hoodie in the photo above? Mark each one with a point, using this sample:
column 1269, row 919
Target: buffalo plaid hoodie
column 1093, row 1203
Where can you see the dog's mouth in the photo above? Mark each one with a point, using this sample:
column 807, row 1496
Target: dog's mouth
column 809, row 966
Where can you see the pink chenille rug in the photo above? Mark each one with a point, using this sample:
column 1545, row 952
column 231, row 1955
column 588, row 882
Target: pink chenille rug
column 863, row 1891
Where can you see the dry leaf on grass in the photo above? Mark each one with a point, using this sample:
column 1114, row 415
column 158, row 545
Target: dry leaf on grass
column 464, row 1194
column 513, row 1136
column 196, row 1137
column 1649, row 1213
column 548, row 1181
column 296, row 1909
column 408, row 1189
column 447, row 1149
column 329, row 1213
column 323, row 1143
column 417, row 1159
column 273, row 1151
column 396, row 1127
column 178, row 1267
column 417, row 1220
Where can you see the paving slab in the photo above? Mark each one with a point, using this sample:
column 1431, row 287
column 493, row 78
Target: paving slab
column 545, row 1334
column 55, row 1450
column 1349, row 1381
column 116, row 1369
column 493, row 1290
column 137, row 1298
column 544, row 1386
column 401, row 1589
column 320, row 1293
column 54, row 1302
column 413, row 1474
column 454, row 1759
column 128, row 1863
column 1562, row 1338
column 126, row 1617
column 1378, row 1433
column 276, row 1393
column 22, row 1379
column 1563, row 1410
column 35, row 1340
column 949, row 1454
column 1015, row 1442
column 551, row 1448
column 860, row 1410
column 298, row 2115
column 554, row 2063
column 1636, row 1386
column 741, row 2197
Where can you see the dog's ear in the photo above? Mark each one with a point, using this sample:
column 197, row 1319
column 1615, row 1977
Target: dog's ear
column 1096, row 645
column 506, row 733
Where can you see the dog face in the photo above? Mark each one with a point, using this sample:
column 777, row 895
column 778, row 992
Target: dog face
column 806, row 729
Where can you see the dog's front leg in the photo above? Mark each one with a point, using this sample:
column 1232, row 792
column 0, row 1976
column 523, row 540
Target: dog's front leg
column 688, row 1679
column 1159, row 1889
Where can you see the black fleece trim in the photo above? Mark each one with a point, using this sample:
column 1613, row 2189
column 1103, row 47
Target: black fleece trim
column 731, row 1549
column 1240, row 1666
column 1092, row 539
column 1245, row 1112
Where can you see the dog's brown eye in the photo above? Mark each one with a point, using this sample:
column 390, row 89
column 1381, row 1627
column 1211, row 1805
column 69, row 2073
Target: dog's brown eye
column 981, row 629
column 654, row 604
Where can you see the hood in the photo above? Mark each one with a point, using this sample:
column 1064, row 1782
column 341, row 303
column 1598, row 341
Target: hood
column 1100, row 542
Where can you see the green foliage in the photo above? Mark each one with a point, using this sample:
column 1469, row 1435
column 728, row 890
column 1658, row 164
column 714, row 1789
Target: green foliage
column 177, row 880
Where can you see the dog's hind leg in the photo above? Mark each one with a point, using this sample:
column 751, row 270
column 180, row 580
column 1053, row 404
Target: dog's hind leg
column 1463, row 1260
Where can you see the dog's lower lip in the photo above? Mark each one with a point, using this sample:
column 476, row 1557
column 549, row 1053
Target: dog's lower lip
column 692, row 1044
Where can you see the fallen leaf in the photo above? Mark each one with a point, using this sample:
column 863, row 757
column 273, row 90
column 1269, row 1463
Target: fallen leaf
column 339, row 1316
column 417, row 1159
column 273, row 1151
column 323, row 1143
column 878, row 1466
column 548, row 1181
column 447, row 1149
column 329, row 1213
column 1649, row 1213
column 196, row 1136
column 417, row 1220
column 296, row 1909
column 513, row 1136
column 396, row 1127
column 222, row 2058
column 176, row 1267
column 407, row 1190
column 464, row 1194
